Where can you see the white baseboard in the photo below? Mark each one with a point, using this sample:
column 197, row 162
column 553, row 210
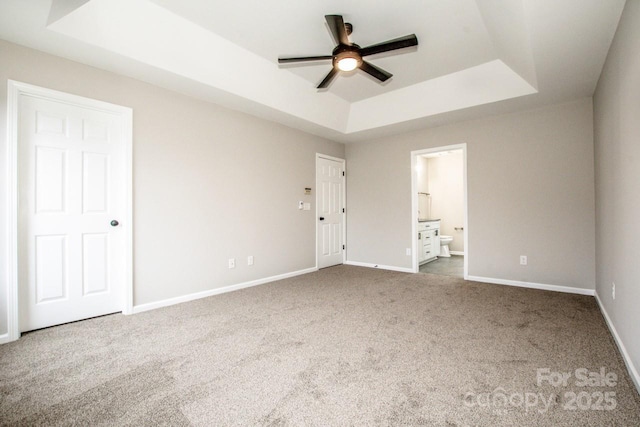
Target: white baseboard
column 456, row 252
column 633, row 372
column 382, row 267
column 190, row 297
column 543, row 286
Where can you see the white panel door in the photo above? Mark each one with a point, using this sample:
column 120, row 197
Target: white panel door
column 72, row 180
column 330, row 201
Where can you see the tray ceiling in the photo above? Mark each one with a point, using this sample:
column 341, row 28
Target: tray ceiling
column 474, row 58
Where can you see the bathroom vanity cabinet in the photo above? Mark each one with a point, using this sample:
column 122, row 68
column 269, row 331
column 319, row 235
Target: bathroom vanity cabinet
column 428, row 240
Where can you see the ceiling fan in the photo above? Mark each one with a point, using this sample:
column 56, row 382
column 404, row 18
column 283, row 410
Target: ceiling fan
column 347, row 56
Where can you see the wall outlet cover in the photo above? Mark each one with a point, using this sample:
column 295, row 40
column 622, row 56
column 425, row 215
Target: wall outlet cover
column 523, row 260
column 232, row 263
column 250, row 260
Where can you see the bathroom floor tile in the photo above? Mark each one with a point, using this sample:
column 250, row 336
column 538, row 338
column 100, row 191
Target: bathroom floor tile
column 453, row 266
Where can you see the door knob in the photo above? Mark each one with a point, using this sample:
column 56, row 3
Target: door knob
column 321, row 218
column 114, row 223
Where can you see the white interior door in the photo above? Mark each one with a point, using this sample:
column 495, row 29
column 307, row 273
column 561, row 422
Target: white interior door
column 330, row 202
column 71, row 257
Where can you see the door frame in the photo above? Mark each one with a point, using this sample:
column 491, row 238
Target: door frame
column 15, row 91
column 344, row 204
column 414, row 202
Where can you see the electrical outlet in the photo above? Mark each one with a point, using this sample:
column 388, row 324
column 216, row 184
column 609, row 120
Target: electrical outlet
column 407, row 251
column 300, row 205
column 250, row 260
column 232, row 263
column 523, row 260
column 613, row 290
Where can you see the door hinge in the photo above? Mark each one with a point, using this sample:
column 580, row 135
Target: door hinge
column 342, row 173
column 342, row 210
column 343, row 247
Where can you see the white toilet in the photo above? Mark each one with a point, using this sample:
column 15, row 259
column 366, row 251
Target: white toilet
column 445, row 241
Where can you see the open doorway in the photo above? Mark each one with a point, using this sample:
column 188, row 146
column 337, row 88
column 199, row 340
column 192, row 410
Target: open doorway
column 439, row 210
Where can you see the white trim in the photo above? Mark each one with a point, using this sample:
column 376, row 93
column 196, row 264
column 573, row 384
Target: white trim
column 414, row 203
column 381, row 267
column 633, row 371
column 127, row 135
column 15, row 90
column 326, row 156
column 344, row 203
column 190, row 297
column 532, row 285
column 4, row 338
column 11, row 215
column 456, row 252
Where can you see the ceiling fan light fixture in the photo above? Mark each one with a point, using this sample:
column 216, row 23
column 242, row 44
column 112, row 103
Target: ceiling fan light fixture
column 347, row 58
column 348, row 64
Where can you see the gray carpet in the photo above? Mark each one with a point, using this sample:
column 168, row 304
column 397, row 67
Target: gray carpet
column 343, row 346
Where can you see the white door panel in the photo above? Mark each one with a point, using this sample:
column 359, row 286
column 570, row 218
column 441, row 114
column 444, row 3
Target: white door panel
column 330, row 202
column 95, row 263
column 51, row 177
column 51, row 276
column 72, row 181
column 95, row 183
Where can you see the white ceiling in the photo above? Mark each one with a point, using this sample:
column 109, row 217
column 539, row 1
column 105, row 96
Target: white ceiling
column 474, row 58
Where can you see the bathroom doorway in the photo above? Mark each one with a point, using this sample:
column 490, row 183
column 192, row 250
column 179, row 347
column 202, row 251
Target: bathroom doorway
column 439, row 210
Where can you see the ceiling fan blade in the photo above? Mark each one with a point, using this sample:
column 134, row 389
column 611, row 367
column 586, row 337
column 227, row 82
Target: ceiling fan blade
column 339, row 32
column 399, row 43
column 303, row 59
column 328, row 79
column 376, row 72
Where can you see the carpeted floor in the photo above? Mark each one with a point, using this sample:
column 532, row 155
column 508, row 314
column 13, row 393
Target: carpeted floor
column 342, row 346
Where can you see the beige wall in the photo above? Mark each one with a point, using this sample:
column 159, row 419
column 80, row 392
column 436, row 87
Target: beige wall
column 209, row 183
column 422, row 184
column 422, row 176
column 446, row 185
column 530, row 192
column 617, row 147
